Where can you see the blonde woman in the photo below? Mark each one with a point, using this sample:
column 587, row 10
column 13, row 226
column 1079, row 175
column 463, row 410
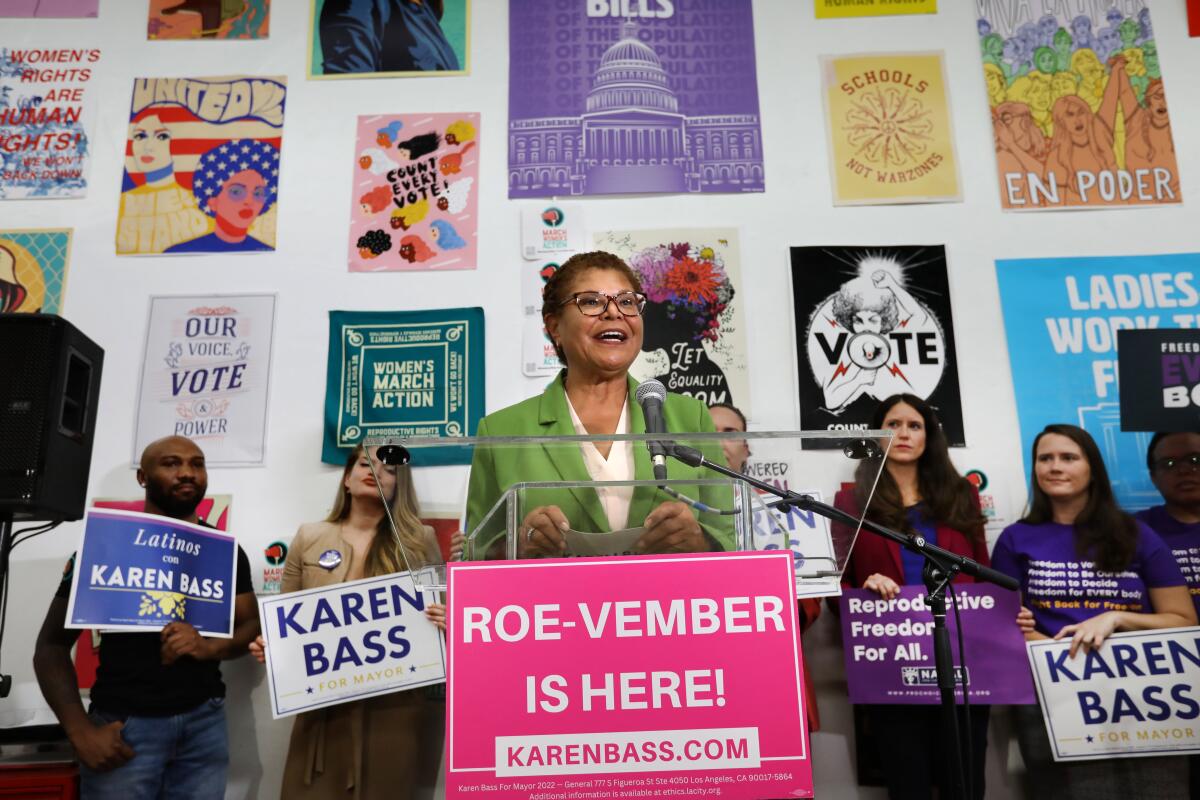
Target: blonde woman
column 369, row 748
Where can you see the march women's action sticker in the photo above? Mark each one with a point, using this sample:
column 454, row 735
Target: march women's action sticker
column 638, row 677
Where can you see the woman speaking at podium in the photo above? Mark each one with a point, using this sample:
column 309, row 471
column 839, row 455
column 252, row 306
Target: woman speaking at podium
column 592, row 309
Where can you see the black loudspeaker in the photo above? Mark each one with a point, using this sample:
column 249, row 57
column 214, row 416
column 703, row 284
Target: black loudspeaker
column 49, row 392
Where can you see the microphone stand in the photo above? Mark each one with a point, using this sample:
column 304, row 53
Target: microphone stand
column 941, row 567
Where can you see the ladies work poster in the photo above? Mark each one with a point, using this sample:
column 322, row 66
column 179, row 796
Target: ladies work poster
column 694, row 329
column 828, row 9
column 206, row 374
column 371, row 39
column 663, row 100
column 872, row 322
column 1079, row 109
column 415, row 203
column 33, row 270
column 890, row 137
column 201, row 165
column 209, row 19
column 46, row 109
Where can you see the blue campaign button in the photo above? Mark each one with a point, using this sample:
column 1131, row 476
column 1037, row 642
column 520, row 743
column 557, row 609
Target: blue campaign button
column 330, row 559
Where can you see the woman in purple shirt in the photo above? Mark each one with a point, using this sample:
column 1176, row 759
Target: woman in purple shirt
column 1087, row 570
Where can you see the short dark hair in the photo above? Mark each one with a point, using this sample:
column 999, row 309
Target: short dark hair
column 1155, row 441
column 554, row 293
column 732, row 408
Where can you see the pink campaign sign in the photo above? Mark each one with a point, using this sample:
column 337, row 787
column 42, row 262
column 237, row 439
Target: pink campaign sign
column 602, row 678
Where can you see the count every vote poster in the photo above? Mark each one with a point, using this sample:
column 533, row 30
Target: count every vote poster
column 1061, row 317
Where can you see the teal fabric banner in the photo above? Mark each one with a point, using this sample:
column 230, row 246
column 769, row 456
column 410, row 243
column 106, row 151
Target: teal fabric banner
column 407, row 374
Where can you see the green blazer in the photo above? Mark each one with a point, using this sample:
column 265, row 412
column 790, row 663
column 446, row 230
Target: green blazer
column 494, row 470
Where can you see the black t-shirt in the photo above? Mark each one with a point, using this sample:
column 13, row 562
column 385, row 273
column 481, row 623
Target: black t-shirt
column 131, row 678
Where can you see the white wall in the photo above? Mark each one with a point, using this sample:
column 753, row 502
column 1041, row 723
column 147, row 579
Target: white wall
column 106, row 295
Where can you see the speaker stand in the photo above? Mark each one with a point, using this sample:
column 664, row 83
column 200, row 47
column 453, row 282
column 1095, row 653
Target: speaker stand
column 6, row 542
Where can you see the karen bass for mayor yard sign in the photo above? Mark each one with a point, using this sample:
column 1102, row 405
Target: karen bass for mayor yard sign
column 404, row 374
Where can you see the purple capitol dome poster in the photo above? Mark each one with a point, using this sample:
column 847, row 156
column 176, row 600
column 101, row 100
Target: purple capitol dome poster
column 632, row 97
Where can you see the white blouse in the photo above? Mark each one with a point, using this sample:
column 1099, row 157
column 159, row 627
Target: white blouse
column 617, row 467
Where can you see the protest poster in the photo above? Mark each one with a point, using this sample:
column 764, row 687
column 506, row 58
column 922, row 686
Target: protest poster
column 206, row 19
column 1078, row 105
column 872, row 322
column 538, row 358
column 407, row 374
column 552, row 231
column 422, row 39
column 138, row 572
column 1135, row 696
column 656, row 692
column 206, row 371
column 891, row 139
column 415, row 202
column 349, row 641
column 830, row 9
column 1158, row 377
column 1061, row 317
column 46, row 109
column 888, row 646
column 694, row 338
column 201, row 165
column 1193, row 12
column 33, row 270
column 663, row 100
column 49, row 9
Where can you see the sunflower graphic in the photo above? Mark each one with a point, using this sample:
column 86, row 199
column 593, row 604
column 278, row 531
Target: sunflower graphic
column 889, row 127
column 163, row 604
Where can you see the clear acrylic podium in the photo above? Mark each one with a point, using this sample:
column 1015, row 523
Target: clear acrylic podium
column 513, row 479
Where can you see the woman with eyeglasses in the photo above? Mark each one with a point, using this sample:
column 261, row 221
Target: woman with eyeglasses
column 1124, row 578
column 1174, row 462
column 592, row 311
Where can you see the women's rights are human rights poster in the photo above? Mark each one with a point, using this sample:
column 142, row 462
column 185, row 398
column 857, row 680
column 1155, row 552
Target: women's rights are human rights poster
column 694, row 330
column 201, row 165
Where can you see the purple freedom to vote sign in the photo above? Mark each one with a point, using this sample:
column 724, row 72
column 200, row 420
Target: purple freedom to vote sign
column 889, row 647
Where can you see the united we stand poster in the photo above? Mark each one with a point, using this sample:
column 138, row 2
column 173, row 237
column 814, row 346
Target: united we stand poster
column 1078, row 105
column 206, row 374
column 694, row 328
column 33, row 270
column 663, row 100
column 872, row 322
column 415, row 203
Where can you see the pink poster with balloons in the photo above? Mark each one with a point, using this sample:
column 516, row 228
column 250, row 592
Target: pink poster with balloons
column 416, row 182
column 627, row 677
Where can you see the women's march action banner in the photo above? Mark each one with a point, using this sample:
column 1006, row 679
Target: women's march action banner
column 1061, row 317
column 657, row 693
column 694, row 337
column 347, row 642
column 890, row 133
column 209, row 19
column 415, row 203
column 138, row 572
column 605, row 97
column 828, row 9
column 46, row 107
column 870, row 323
column 404, row 373
column 201, row 165
column 1135, row 696
column 33, row 270
column 1079, row 109
column 206, row 374
column 366, row 39
column 889, row 646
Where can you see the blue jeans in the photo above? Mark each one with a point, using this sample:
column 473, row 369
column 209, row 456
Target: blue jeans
column 183, row 756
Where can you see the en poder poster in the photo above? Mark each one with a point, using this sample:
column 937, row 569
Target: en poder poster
column 33, row 270
column 208, row 19
column 1079, row 107
column 415, row 199
column 890, row 134
column 662, row 101
column 694, row 330
column 201, row 165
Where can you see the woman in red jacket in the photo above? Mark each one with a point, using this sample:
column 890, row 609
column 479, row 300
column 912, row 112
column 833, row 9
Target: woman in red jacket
column 919, row 492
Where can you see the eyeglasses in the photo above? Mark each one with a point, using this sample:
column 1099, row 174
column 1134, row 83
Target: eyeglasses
column 593, row 304
column 1190, row 462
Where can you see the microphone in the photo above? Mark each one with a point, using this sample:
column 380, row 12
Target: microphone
column 650, row 396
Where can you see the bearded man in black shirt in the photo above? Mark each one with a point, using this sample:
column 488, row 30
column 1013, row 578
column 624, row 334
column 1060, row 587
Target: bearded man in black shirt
column 156, row 726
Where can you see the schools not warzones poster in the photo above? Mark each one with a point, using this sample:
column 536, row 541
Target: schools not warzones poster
column 694, row 331
column 1079, row 107
column 663, row 99
column 872, row 322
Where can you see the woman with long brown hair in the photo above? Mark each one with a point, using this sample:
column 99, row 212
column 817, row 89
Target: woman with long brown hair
column 918, row 492
column 367, row 748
